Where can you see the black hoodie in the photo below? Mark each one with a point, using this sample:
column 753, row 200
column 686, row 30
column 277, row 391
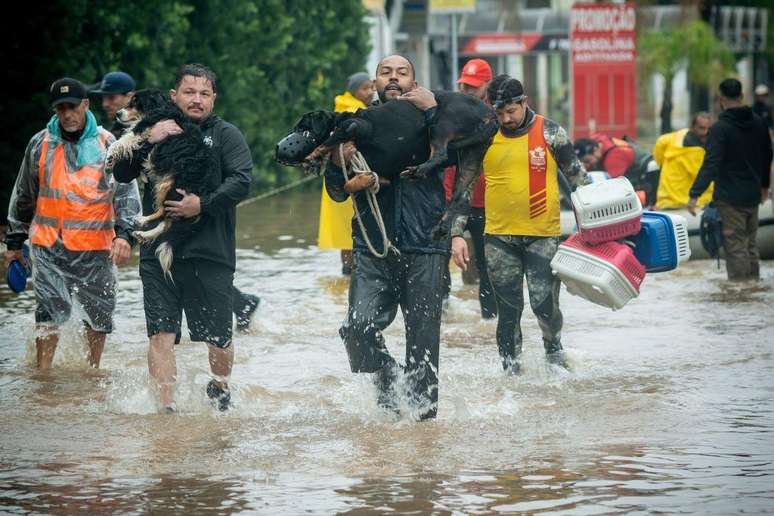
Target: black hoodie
column 738, row 159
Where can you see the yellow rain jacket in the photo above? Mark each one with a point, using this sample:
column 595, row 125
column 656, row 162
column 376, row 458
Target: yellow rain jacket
column 679, row 167
column 336, row 217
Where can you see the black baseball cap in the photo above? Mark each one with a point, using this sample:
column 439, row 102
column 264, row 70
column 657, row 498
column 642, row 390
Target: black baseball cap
column 116, row 82
column 66, row 90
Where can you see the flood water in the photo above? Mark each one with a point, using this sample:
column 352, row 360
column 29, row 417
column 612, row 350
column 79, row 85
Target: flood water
column 669, row 406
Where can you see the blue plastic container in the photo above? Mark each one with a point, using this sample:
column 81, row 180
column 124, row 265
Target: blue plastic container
column 18, row 273
column 655, row 245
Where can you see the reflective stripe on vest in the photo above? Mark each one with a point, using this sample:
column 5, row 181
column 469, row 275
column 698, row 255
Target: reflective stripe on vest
column 72, row 204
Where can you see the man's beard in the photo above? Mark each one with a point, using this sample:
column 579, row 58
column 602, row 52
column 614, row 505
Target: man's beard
column 510, row 130
column 383, row 94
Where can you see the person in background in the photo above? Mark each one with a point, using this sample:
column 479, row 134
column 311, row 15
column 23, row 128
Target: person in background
column 335, row 230
column 115, row 90
column 738, row 160
column 679, row 156
column 761, row 105
column 474, row 80
column 620, row 157
column 77, row 218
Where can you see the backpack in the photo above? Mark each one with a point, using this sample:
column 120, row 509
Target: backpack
column 711, row 231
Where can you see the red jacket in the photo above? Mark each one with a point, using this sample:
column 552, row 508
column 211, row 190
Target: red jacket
column 477, row 200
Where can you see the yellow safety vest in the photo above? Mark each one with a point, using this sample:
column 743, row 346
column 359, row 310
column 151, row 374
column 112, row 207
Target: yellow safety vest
column 522, row 192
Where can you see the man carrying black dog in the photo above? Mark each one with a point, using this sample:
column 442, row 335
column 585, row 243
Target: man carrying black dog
column 412, row 278
column 203, row 268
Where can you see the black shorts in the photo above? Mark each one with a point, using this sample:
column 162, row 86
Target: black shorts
column 59, row 275
column 200, row 288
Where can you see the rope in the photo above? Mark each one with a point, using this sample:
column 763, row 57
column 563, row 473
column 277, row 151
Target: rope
column 359, row 165
column 277, row 190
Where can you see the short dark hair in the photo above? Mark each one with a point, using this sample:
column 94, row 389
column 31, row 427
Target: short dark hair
column 731, row 88
column 698, row 115
column 504, row 90
column 196, row 70
column 584, row 146
column 411, row 65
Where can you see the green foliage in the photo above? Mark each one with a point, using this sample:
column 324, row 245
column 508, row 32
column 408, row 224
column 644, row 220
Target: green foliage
column 693, row 46
column 275, row 59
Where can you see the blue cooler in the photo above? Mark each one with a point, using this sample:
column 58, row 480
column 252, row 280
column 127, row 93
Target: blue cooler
column 655, row 246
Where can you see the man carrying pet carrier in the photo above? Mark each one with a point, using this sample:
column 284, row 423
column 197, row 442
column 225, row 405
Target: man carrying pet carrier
column 521, row 233
column 78, row 220
column 203, row 267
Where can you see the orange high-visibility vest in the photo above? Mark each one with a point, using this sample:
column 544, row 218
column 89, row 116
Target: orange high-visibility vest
column 76, row 205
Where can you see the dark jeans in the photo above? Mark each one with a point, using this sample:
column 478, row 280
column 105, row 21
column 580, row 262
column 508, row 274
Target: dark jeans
column 509, row 259
column 415, row 282
column 740, row 227
column 486, row 297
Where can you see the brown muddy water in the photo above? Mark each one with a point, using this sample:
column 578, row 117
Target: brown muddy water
column 669, row 406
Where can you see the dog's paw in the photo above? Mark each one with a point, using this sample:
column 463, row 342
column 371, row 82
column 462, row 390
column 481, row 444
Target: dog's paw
column 412, row 173
column 441, row 231
column 140, row 236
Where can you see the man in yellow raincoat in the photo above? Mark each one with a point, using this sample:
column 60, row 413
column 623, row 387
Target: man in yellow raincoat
column 680, row 155
column 336, row 217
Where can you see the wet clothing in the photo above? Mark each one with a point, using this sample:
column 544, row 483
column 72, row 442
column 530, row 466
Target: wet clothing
column 203, row 266
column 486, row 296
column 475, row 226
column 215, row 238
column 335, row 230
column 72, row 209
column 561, row 152
column 740, row 228
column 59, row 275
column 510, row 258
column 738, row 160
column 520, row 173
column 522, row 186
column 200, row 288
column 415, row 282
column 679, row 155
column 410, row 209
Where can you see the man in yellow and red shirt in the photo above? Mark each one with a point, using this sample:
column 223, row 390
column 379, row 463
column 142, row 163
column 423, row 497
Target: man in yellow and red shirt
column 521, row 233
column 78, row 219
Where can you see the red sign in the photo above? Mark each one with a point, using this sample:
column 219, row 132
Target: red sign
column 500, row 44
column 604, row 79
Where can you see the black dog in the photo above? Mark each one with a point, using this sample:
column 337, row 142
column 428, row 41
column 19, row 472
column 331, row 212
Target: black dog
column 396, row 141
column 182, row 161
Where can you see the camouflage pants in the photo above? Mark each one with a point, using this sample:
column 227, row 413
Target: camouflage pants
column 740, row 226
column 509, row 258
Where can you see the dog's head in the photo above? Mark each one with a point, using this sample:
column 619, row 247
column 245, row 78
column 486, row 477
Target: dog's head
column 307, row 135
column 144, row 102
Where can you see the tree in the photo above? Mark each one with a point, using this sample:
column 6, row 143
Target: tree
column 693, row 47
column 275, row 60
